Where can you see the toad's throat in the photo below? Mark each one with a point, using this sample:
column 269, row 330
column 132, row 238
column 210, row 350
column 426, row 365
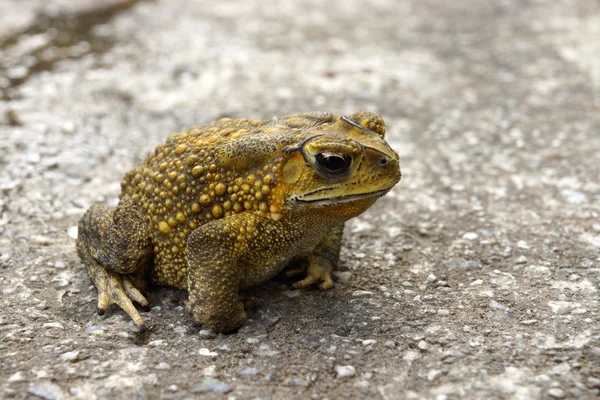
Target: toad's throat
column 331, row 200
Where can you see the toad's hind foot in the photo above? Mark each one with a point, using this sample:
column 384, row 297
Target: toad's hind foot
column 114, row 288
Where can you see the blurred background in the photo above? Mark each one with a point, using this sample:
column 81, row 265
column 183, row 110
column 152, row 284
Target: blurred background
column 476, row 276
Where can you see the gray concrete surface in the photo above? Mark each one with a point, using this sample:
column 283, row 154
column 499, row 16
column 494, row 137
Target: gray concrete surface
column 476, row 277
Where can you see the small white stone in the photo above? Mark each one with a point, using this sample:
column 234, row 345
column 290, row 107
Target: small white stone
column 476, row 282
column 537, row 271
column 423, row 345
column 342, row 276
column 443, row 312
column 345, row 371
column 523, row 244
column 497, row 306
column 431, row 278
column 362, row 293
column 207, row 334
column 158, row 342
column 470, row 236
column 434, row 373
column 368, row 342
column 556, row 393
column 529, row 321
column 70, row 356
column 72, row 232
column 574, row 196
column 182, row 330
column 522, row 260
column 16, row 377
column 207, row 353
column 163, row 365
column 291, row 293
column 210, row 371
column 57, row 325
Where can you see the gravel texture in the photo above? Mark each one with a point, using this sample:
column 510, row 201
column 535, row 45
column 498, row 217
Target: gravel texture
column 478, row 275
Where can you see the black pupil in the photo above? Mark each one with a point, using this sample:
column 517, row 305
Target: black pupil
column 334, row 162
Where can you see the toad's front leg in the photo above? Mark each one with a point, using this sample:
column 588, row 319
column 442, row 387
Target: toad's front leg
column 220, row 255
column 323, row 260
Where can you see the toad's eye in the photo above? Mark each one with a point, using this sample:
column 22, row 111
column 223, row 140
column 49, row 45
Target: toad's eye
column 333, row 164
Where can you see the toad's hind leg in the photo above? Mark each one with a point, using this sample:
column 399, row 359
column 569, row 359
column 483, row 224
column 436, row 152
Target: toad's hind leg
column 112, row 244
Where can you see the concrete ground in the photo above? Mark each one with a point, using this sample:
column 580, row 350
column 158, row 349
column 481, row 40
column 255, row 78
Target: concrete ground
column 477, row 276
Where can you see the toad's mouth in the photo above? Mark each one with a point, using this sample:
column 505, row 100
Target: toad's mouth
column 320, row 200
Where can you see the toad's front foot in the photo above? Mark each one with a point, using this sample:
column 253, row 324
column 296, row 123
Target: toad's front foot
column 318, row 272
column 114, row 288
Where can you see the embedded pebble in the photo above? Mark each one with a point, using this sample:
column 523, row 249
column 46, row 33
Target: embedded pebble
column 497, row 306
column 210, row 371
column 265, row 350
column 529, row 321
column 70, row 356
column 72, row 232
column 47, row 391
column 342, row 276
column 470, row 236
column 362, row 293
column 423, row 345
column 17, row 377
column 182, row 330
column 249, row 371
column 57, row 325
column 556, row 393
column 593, row 382
column 431, row 278
column 536, row 271
column 207, row 334
column 434, row 373
column 345, row 371
column 207, row 353
column 522, row 260
column 95, row 330
column 291, row 293
column 223, row 347
column 162, row 366
column 298, row 382
column 211, row 385
column 574, row 196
